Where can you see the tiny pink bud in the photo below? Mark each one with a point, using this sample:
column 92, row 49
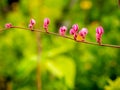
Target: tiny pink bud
column 99, row 30
column 32, row 21
column 30, row 26
column 46, row 23
column 8, row 25
column 75, row 27
column 83, row 32
column 72, row 31
column 62, row 30
column 98, row 38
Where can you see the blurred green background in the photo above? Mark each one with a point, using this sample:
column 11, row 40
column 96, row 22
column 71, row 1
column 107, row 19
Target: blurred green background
column 64, row 64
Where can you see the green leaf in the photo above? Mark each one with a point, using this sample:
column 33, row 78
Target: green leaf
column 62, row 67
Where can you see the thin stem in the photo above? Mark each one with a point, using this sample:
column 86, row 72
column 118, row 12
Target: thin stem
column 38, row 61
column 118, row 3
column 4, row 29
column 56, row 34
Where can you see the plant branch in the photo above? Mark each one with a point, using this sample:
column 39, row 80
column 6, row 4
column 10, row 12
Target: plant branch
column 56, row 34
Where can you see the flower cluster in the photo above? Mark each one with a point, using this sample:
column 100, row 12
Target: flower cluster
column 79, row 35
column 74, row 30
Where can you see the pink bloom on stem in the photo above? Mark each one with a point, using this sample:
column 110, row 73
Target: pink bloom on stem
column 83, row 32
column 8, row 25
column 72, row 31
column 30, row 26
column 75, row 27
column 46, row 23
column 32, row 22
column 99, row 32
column 98, row 38
column 62, row 30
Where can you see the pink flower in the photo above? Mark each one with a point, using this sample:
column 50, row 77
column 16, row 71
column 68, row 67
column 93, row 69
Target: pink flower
column 72, row 31
column 99, row 32
column 46, row 23
column 98, row 38
column 75, row 27
column 62, row 30
column 32, row 22
column 30, row 26
column 83, row 32
column 8, row 25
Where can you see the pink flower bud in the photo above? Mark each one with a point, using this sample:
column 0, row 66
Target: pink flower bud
column 75, row 27
column 8, row 25
column 83, row 32
column 72, row 31
column 32, row 22
column 98, row 38
column 62, row 30
column 99, row 30
column 30, row 26
column 46, row 23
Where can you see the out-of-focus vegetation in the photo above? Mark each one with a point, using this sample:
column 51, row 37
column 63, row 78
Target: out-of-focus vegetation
column 65, row 64
column 113, row 85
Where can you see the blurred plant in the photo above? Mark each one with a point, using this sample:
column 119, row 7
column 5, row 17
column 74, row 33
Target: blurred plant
column 8, row 25
column 93, row 64
column 113, row 85
column 119, row 3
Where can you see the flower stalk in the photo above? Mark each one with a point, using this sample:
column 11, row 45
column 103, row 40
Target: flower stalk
column 65, row 36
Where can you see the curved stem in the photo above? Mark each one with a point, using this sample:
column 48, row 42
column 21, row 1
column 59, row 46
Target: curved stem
column 56, row 34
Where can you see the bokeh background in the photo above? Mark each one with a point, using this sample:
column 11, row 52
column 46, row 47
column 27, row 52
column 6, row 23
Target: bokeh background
column 64, row 64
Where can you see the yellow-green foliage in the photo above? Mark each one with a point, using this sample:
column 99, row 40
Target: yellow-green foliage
column 113, row 85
